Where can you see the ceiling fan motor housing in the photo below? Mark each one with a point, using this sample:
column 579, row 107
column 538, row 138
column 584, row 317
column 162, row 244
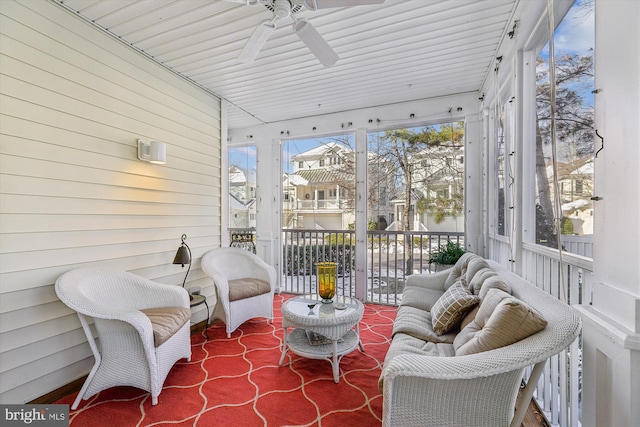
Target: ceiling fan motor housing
column 282, row 8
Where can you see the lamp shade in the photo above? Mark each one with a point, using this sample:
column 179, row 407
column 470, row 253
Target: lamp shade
column 183, row 256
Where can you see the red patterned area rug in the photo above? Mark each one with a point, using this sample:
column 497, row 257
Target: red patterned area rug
column 238, row 382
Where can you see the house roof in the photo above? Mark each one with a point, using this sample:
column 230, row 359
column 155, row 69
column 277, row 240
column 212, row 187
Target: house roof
column 579, row 166
column 323, row 176
column 318, row 152
column 389, row 53
column 293, row 179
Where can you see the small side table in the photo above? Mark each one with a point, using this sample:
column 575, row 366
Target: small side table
column 197, row 300
column 339, row 326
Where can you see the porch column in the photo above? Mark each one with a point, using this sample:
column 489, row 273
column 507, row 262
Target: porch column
column 268, row 206
column 361, row 214
column 611, row 327
column 473, row 190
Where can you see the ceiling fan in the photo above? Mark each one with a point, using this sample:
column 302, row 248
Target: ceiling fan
column 282, row 9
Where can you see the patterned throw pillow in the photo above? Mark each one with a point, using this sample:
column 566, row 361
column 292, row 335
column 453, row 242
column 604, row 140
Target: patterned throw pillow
column 451, row 307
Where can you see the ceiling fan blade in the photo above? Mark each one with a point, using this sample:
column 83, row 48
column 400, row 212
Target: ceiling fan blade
column 315, row 42
column 325, row 4
column 245, row 2
column 256, row 41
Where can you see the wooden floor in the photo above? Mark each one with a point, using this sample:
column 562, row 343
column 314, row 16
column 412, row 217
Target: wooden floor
column 534, row 417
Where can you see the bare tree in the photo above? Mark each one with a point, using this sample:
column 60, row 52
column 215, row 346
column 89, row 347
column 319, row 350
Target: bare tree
column 574, row 125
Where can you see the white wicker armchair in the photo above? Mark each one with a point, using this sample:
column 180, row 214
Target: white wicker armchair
column 233, row 268
column 126, row 354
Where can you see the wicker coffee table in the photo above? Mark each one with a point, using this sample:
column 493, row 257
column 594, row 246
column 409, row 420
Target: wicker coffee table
column 322, row 331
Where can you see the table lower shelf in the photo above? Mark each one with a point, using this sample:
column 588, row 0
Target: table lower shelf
column 298, row 342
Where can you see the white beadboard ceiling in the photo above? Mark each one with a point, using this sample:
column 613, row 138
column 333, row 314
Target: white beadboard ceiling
column 398, row 51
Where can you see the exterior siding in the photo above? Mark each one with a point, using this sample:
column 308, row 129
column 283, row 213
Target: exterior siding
column 73, row 102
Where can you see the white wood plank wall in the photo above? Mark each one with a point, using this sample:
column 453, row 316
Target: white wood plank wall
column 73, row 103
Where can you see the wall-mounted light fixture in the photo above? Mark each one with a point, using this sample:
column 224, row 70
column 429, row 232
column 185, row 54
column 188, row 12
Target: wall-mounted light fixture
column 152, row 151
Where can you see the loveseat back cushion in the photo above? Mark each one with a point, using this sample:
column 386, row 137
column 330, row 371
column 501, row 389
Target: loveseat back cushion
column 458, row 269
column 420, row 297
column 466, row 268
column 451, row 307
column 166, row 321
column 493, row 282
column 475, row 284
column 247, row 288
column 501, row 320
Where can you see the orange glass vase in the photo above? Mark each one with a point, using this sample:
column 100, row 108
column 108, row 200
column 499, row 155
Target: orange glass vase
column 326, row 281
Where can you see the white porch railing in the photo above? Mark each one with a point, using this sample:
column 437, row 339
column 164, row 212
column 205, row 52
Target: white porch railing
column 391, row 256
column 559, row 391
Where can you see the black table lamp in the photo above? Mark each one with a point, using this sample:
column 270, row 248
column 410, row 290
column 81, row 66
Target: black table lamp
column 183, row 256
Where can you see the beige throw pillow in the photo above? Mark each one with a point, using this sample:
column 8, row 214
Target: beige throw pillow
column 448, row 311
column 501, row 320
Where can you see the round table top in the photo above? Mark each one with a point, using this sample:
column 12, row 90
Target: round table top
column 309, row 309
column 197, row 300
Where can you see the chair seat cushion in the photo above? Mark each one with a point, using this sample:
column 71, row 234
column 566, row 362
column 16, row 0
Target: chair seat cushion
column 418, row 324
column 166, row 321
column 247, row 288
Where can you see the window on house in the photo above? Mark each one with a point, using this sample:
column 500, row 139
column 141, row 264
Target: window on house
column 442, row 194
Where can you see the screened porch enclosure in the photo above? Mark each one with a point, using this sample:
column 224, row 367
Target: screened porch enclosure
column 85, row 80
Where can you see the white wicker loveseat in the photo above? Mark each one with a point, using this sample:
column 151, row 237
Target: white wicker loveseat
column 142, row 327
column 427, row 380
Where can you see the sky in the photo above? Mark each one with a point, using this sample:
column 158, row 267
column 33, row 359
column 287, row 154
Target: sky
column 575, row 35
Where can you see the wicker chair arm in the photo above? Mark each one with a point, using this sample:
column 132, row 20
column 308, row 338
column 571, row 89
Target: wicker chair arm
column 450, row 368
column 428, row 401
column 220, row 281
column 139, row 321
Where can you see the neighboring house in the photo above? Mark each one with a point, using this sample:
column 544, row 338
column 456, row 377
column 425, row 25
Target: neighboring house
column 322, row 185
column 415, row 220
column 575, row 182
column 436, row 194
column 241, row 215
column 242, row 198
column 290, row 184
column 317, row 194
column 381, row 188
